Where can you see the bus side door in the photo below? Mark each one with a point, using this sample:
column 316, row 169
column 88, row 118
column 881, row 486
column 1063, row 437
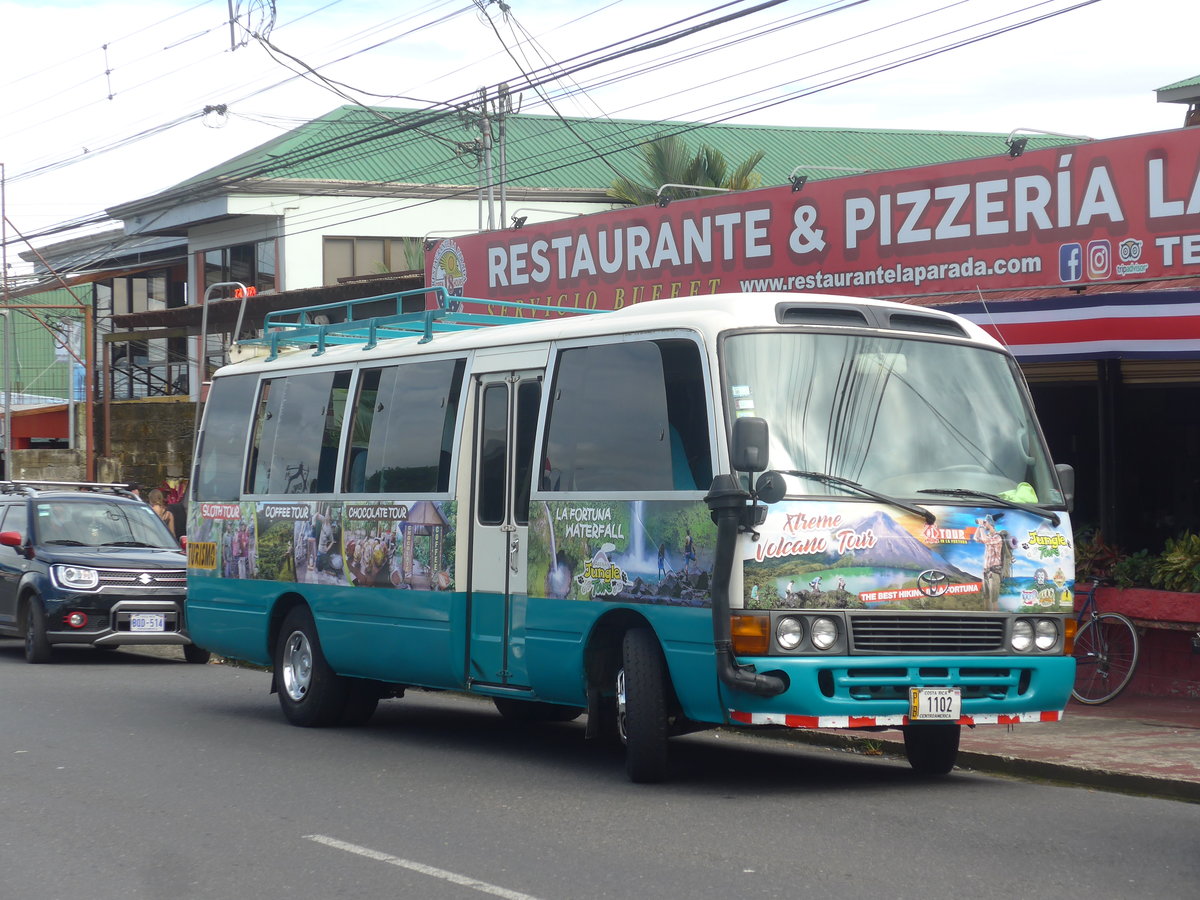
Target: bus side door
column 506, row 412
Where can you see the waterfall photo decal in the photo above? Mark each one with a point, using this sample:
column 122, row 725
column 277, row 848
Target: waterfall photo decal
column 630, row 551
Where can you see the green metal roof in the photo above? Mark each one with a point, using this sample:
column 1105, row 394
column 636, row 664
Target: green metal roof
column 1187, row 82
column 397, row 146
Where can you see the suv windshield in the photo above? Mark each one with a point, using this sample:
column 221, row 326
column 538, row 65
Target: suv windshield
column 896, row 415
column 99, row 523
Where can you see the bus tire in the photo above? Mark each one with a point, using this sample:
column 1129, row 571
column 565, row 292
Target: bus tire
column 642, row 706
column 932, row 748
column 311, row 694
column 362, row 698
column 535, row 710
column 197, row 655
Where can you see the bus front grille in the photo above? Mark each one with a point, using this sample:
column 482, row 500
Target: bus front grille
column 916, row 634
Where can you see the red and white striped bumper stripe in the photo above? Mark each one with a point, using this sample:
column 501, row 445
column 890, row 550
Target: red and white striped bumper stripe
column 745, row 718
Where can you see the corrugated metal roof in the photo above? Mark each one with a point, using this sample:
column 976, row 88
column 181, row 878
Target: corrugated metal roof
column 395, row 146
column 1187, row 82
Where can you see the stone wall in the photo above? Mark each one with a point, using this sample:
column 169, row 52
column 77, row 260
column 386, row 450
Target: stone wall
column 151, row 440
column 151, row 444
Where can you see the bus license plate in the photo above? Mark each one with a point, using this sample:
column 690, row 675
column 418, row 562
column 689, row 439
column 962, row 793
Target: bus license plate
column 935, row 703
column 147, row 622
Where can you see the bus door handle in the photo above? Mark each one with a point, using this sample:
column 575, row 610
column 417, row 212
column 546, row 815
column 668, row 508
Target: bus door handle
column 513, row 546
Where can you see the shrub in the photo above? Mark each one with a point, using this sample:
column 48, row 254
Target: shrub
column 1135, row 570
column 1178, row 567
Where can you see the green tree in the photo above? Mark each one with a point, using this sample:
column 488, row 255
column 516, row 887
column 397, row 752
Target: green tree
column 668, row 160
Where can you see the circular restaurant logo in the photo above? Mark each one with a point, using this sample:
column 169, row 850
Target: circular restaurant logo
column 448, row 268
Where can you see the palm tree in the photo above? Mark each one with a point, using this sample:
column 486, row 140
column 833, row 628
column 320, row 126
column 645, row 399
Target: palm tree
column 667, row 160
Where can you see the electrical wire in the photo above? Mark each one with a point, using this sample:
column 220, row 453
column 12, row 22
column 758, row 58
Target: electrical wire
column 546, row 75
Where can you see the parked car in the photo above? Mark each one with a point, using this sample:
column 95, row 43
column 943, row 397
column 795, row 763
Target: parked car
column 87, row 563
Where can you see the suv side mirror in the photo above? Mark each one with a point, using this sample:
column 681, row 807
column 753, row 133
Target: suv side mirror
column 751, row 444
column 11, row 539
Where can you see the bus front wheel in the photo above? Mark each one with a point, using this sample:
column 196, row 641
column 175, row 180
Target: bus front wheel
column 311, row 694
column 642, row 706
column 931, row 748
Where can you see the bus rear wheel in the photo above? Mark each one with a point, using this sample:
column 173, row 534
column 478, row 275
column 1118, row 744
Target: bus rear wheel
column 642, row 685
column 311, row 694
column 932, row 748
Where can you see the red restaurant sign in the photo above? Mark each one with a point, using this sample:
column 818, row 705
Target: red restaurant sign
column 1120, row 210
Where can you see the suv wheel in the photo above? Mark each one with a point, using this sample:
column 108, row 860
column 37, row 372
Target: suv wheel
column 37, row 647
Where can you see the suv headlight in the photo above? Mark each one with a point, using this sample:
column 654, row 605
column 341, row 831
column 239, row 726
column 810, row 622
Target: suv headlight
column 78, row 578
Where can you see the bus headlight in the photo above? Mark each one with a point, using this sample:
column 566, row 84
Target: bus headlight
column 1047, row 633
column 789, row 632
column 824, row 633
column 1022, row 635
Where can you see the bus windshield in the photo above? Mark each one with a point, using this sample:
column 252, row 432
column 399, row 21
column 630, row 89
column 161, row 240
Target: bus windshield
column 897, row 415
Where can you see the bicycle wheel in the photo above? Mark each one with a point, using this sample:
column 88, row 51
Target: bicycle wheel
column 1106, row 652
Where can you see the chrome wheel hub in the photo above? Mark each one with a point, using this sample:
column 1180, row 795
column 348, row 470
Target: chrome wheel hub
column 297, row 666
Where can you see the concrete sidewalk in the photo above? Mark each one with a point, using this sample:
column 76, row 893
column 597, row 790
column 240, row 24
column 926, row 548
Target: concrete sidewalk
column 1138, row 744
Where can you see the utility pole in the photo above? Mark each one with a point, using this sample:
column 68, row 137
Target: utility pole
column 503, row 108
column 7, row 324
column 485, row 125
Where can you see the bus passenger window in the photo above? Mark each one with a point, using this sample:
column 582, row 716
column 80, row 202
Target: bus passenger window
column 291, row 433
column 628, row 417
column 402, row 428
column 222, row 445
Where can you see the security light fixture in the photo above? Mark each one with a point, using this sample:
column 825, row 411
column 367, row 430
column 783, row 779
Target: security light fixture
column 519, row 220
column 798, row 181
column 661, row 200
column 1016, row 145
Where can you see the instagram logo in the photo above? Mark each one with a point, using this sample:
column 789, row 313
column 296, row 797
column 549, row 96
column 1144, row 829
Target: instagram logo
column 1099, row 259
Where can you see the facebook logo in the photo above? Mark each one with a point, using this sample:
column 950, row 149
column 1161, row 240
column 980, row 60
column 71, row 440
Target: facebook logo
column 1070, row 262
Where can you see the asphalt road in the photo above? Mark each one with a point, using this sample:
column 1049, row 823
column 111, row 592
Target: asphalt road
column 127, row 775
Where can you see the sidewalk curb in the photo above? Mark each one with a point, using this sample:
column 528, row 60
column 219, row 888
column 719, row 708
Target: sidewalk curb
column 1102, row 779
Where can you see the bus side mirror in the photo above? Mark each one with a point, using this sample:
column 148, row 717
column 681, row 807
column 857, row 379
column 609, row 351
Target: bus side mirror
column 1066, row 478
column 751, row 444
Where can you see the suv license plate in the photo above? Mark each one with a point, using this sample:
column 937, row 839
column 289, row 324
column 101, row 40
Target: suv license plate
column 147, row 622
column 943, row 704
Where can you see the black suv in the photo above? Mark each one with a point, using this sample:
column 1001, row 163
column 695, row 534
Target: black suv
column 84, row 563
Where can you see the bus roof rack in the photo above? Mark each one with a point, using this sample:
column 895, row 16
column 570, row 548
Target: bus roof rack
column 300, row 326
column 23, row 486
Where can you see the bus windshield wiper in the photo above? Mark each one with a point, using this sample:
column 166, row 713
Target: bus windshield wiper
column 995, row 498
column 921, row 511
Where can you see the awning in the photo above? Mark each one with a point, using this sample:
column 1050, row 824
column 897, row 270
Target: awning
column 1130, row 325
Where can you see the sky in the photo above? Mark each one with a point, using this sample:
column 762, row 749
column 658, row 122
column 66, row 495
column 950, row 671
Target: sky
column 101, row 103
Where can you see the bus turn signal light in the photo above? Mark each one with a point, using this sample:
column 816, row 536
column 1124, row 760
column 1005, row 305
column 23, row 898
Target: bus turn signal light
column 751, row 634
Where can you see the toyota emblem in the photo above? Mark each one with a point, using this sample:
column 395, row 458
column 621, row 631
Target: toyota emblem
column 933, row 583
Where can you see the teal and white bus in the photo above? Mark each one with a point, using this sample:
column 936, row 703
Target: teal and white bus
column 761, row 510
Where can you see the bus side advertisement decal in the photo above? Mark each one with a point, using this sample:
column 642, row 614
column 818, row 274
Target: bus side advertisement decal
column 628, row 551
column 361, row 544
column 856, row 555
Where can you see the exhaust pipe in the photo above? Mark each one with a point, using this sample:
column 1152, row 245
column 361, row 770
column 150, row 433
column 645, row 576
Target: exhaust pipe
column 727, row 501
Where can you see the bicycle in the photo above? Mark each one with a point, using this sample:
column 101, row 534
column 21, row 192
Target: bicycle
column 1106, row 652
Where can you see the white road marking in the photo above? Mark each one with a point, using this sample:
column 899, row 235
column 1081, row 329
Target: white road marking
column 431, row 871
